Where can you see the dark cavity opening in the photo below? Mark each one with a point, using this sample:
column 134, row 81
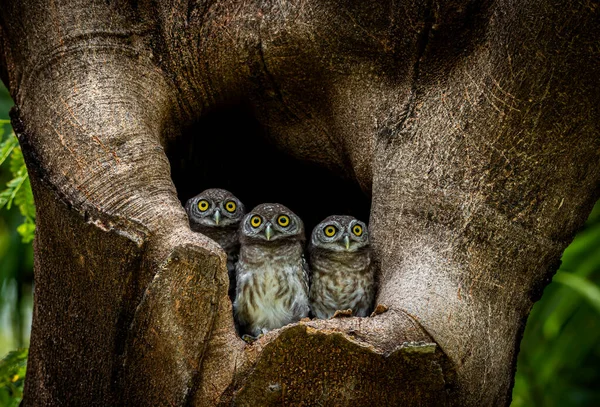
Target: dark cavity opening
column 229, row 149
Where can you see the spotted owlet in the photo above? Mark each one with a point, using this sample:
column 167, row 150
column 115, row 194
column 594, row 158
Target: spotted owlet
column 217, row 213
column 272, row 280
column 340, row 262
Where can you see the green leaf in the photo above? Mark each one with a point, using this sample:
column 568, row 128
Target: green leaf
column 18, row 189
column 24, row 200
column 27, row 230
column 17, row 163
column 584, row 287
column 12, row 377
column 19, row 172
column 12, row 187
column 7, row 147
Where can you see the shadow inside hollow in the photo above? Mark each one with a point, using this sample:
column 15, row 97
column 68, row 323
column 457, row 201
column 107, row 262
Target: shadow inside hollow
column 229, row 149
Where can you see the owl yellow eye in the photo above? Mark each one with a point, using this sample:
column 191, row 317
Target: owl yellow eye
column 283, row 220
column 230, row 206
column 357, row 230
column 255, row 221
column 329, row 230
column 203, row 205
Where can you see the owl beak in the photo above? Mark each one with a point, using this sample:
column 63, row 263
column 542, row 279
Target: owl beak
column 217, row 216
column 268, row 231
column 347, row 242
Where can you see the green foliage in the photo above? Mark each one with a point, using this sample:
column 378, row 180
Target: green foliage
column 12, row 377
column 18, row 188
column 559, row 362
column 16, row 258
column 585, row 288
column 7, row 146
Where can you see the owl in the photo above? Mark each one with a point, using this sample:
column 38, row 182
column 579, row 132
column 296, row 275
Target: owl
column 217, row 213
column 272, row 278
column 340, row 261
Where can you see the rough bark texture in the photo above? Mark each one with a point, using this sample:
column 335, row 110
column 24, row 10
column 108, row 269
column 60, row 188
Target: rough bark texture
column 469, row 129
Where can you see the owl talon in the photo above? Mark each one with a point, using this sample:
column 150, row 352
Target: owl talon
column 342, row 313
column 379, row 309
column 251, row 339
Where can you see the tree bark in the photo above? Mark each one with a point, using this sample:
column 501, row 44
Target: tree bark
column 466, row 131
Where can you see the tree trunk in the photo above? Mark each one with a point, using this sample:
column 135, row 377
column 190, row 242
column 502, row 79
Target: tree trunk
column 467, row 132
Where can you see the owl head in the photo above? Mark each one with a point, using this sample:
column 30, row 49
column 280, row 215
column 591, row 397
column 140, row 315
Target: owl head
column 340, row 234
column 215, row 208
column 269, row 223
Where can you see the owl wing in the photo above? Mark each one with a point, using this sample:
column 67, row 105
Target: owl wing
column 239, row 305
column 306, row 274
column 365, row 305
column 304, row 309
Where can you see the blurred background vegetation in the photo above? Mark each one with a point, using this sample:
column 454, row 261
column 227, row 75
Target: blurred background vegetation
column 16, row 260
column 559, row 361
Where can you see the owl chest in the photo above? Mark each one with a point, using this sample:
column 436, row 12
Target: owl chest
column 343, row 288
column 338, row 287
column 272, row 293
column 276, row 284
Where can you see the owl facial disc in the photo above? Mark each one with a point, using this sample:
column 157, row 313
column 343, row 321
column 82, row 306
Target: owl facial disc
column 340, row 234
column 270, row 223
column 214, row 208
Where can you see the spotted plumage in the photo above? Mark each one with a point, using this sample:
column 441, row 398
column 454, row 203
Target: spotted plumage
column 342, row 272
column 217, row 213
column 272, row 279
